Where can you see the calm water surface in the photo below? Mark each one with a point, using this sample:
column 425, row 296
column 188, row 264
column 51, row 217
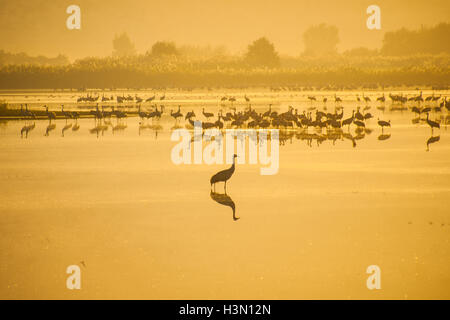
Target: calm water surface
column 140, row 226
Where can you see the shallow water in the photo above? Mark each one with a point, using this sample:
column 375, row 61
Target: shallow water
column 140, row 226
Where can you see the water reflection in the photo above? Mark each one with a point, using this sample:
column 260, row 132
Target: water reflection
column 156, row 128
column 100, row 128
column 65, row 128
column 119, row 127
column 26, row 129
column 348, row 136
column 49, row 128
column 76, row 126
column 314, row 124
column 384, row 136
column 432, row 140
column 225, row 200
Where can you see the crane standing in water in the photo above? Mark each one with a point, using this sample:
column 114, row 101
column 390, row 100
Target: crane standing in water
column 432, row 124
column 223, row 175
column 51, row 115
column 383, row 124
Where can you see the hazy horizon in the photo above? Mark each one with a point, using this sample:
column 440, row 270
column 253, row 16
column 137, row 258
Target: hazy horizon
column 38, row 26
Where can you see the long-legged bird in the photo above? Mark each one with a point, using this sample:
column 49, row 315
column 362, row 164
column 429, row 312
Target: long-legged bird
column 223, row 175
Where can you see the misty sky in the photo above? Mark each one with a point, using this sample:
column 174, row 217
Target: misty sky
column 39, row 26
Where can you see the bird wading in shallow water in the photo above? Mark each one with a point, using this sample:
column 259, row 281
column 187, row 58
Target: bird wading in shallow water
column 223, row 175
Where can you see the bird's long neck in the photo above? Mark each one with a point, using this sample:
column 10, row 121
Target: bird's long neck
column 233, row 165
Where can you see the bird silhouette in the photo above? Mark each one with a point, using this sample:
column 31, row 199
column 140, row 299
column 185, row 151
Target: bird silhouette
column 432, row 124
column 383, row 124
column 26, row 129
column 224, row 199
column 383, row 136
column 432, row 140
column 51, row 115
column 223, row 175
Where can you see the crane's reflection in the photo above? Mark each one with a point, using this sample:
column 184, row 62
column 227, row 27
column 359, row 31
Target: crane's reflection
column 50, row 127
column 65, row 128
column 225, row 200
column 76, row 126
column 384, row 136
column 432, row 140
column 26, row 129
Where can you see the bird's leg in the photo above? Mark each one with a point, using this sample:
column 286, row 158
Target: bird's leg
column 225, row 187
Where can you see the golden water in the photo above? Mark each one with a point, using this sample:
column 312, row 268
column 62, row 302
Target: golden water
column 141, row 227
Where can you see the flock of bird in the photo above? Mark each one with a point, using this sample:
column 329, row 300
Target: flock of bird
column 401, row 98
column 118, row 99
column 315, row 123
column 315, row 118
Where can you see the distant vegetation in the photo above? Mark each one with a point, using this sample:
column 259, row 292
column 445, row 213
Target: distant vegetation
column 407, row 58
column 146, row 71
column 433, row 40
column 163, row 48
column 23, row 58
column 261, row 53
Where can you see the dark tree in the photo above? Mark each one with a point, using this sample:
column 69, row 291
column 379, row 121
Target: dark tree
column 261, row 53
column 164, row 48
column 321, row 40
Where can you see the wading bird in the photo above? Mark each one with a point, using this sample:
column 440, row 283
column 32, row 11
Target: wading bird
column 348, row 121
column 141, row 114
column 190, row 114
column 177, row 114
column 30, row 114
column 223, row 175
column 66, row 114
column 432, row 124
column 51, row 115
column 383, row 124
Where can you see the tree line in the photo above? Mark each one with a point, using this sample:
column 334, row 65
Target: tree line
column 165, row 64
